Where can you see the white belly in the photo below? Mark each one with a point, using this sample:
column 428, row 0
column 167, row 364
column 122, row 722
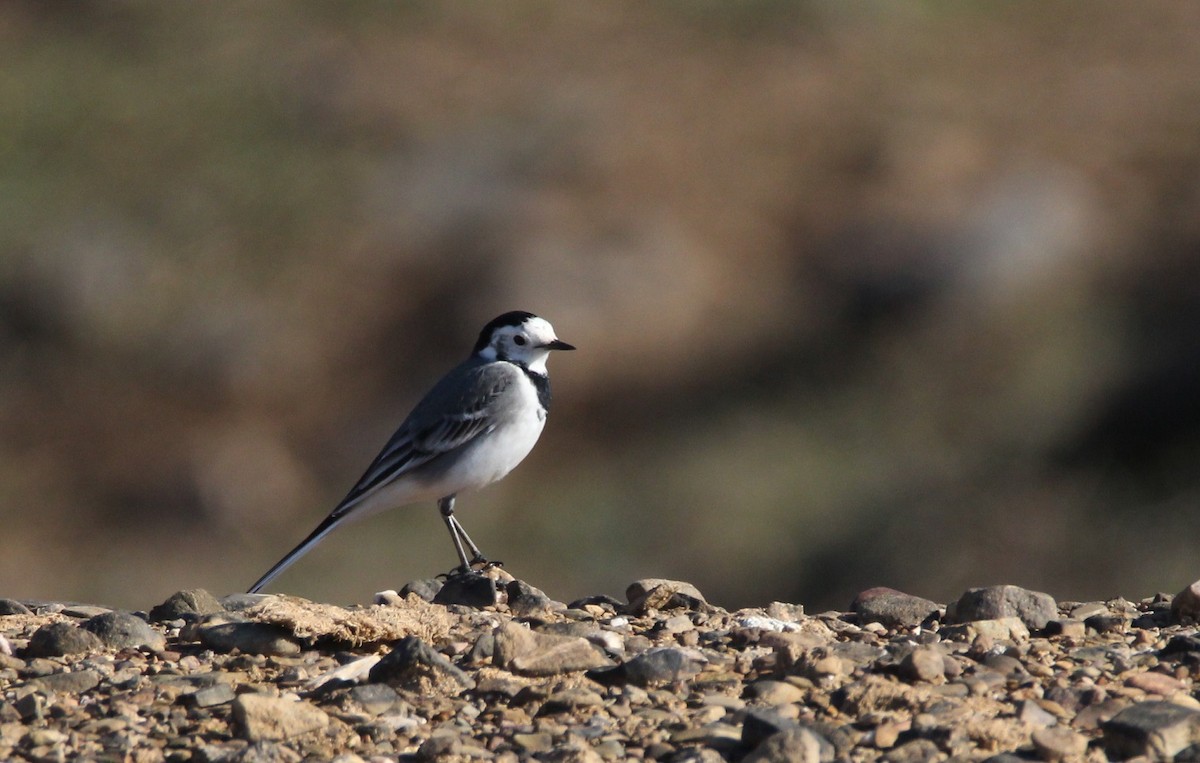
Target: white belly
column 489, row 458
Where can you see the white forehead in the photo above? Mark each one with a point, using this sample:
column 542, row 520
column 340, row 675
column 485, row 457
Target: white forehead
column 538, row 328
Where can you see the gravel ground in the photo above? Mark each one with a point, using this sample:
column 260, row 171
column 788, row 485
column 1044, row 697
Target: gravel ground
column 489, row 668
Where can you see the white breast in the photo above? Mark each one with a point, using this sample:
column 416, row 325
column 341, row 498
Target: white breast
column 497, row 453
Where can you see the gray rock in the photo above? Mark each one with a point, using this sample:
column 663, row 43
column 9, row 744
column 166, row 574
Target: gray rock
column 376, row 698
column 427, row 589
column 13, row 607
column 75, row 682
column 469, row 589
column 1156, row 729
column 1059, row 743
column 1034, row 608
column 413, row 665
column 798, row 745
column 62, row 638
column 248, row 637
column 656, row 667
column 124, row 630
column 528, row 652
column 925, row 664
column 892, row 608
column 210, row 696
column 658, row 593
column 524, row 599
column 263, row 718
column 1104, row 624
column 916, row 751
column 186, row 605
column 759, row 724
column 1185, row 606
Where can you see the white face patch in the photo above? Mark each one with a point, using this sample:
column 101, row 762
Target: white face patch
column 524, row 344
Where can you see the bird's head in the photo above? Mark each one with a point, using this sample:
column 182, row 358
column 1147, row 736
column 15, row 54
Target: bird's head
column 519, row 337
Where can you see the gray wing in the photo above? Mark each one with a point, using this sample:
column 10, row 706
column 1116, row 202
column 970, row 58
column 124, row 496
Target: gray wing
column 460, row 407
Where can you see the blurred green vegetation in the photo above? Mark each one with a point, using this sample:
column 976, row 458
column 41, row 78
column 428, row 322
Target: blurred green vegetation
column 866, row 294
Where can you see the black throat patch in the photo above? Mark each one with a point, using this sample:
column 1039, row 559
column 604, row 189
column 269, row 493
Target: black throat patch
column 541, row 382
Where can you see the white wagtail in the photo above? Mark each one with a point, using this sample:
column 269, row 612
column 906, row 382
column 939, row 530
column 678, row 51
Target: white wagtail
column 470, row 430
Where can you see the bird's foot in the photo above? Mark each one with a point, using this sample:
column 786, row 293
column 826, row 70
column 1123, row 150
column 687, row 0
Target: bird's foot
column 485, row 564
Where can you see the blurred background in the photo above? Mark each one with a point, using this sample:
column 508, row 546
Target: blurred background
column 864, row 293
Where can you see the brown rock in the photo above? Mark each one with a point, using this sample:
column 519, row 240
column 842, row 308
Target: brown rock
column 260, row 717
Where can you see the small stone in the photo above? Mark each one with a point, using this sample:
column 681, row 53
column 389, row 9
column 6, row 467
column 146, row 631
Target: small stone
column 125, row 630
column 1154, row 729
column 1059, row 743
column 1185, row 606
column 60, row 639
column 1155, row 683
column 528, row 652
column 892, row 608
column 263, row 718
column 39, row 737
column 13, row 607
column 1035, row 715
column 1034, row 608
column 248, row 637
column 1105, row 624
column 771, row 693
column 658, row 593
column 186, row 605
column 798, row 744
column 925, row 664
column 566, row 700
column 1088, row 609
column 524, row 599
column 916, row 751
column 759, row 724
column 75, row 682
column 656, row 667
column 213, row 695
column 534, row 743
column 468, row 589
column 376, row 698
column 1000, row 629
column 413, row 665
column 427, row 589
column 1066, row 628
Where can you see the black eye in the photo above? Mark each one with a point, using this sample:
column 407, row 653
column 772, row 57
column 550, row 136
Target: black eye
column 519, row 340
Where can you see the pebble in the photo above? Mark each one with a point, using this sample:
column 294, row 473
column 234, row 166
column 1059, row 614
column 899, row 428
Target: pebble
column 892, row 608
column 469, row 589
column 124, row 630
column 659, row 666
column 60, row 639
column 1185, row 606
column 1154, row 729
column 1058, row 743
column 186, row 605
column 924, row 664
column 248, row 637
column 415, row 666
column 1034, row 608
column 661, row 594
column 532, row 653
column 668, row 677
column 263, row 718
column 798, row 744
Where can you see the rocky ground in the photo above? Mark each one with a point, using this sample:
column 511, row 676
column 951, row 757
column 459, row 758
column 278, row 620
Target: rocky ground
column 488, row 668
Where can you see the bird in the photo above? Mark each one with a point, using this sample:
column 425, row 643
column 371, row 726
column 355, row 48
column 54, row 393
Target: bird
column 470, row 430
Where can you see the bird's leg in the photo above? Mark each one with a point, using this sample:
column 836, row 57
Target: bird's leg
column 477, row 556
column 462, row 541
column 446, row 506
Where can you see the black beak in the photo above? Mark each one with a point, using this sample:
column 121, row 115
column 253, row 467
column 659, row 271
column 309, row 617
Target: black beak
column 558, row 344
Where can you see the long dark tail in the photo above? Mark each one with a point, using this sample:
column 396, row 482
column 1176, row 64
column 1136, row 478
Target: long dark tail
column 323, row 529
